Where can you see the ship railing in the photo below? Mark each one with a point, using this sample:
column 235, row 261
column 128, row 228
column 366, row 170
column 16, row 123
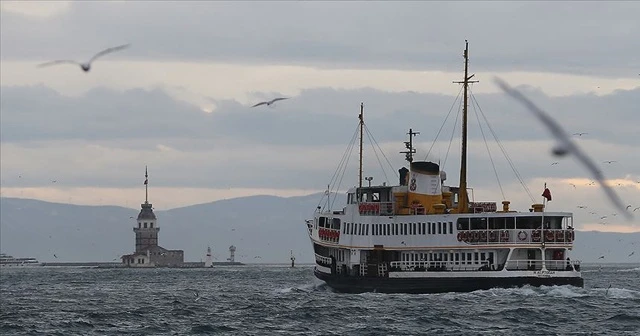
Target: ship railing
column 323, row 260
column 536, row 265
column 427, row 266
column 375, row 208
column 517, row 236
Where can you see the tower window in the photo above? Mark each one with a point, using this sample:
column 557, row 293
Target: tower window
column 145, row 225
column 151, row 225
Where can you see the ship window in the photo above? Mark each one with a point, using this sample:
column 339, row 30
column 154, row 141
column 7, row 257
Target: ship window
column 446, row 257
column 433, row 228
column 406, row 232
column 389, row 229
column 336, row 224
column 419, row 228
column 366, row 232
column 439, row 227
column 424, row 228
column 457, row 255
column 478, row 223
column 482, row 256
column 463, row 224
column 475, row 256
column 451, row 227
column 414, row 228
column 321, row 221
column 469, row 258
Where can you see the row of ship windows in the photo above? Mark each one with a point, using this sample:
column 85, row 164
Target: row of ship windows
column 458, row 258
column 398, row 229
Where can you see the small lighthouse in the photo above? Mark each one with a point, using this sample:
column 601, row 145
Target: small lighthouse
column 209, row 261
column 293, row 260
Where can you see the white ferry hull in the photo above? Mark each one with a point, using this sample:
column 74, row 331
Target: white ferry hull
column 441, row 282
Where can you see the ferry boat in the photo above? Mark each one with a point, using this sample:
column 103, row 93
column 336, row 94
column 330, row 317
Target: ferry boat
column 9, row 261
column 423, row 236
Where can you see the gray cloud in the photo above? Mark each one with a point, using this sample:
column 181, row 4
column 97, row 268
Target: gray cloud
column 590, row 38
column 100, row 138
column 322, row 116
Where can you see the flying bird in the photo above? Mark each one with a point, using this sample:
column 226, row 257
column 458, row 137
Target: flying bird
column 627, row 208
column 269, row 103
column 87, row 65
column 565, row 146
column 634, row 210
column 555, row 163
column 609, row 162
column 582, row 206
column 580, row 134
column 573, row 185
column 632, row 253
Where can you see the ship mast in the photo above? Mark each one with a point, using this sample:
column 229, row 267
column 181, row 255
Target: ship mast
column 361, row 117
column 463, row 201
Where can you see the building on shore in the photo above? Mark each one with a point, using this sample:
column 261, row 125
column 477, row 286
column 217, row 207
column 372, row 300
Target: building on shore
column 148, row 253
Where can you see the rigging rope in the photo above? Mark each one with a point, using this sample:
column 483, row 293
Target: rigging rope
column 443, row 123
column 373, row 141
column 342, row 161
column 504, row 152
column 488, row 151
column 453, row 132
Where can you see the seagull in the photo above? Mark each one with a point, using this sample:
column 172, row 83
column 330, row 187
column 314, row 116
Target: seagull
column 86, row 66
column 609, row 162
column 54, row 181
column 555, row 163
column 574, row 186
column 634, row 210
column 631, row 253
column 580, row 134
column 566, row 146
column 601, row 257
column 628, row 206
column 582, row 206
column 269, row 103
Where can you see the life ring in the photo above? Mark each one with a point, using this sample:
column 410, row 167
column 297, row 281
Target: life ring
column 476, row 236
column 483, row 236
column 571, row 235
column 459, row 236
column 549, row 235
column 522, row 235
column 535, row 235
column 560, row 235
column 465, row 236
column 493, row 236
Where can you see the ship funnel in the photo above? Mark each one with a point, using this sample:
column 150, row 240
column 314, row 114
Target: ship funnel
column 425, row 187
column 404, row 176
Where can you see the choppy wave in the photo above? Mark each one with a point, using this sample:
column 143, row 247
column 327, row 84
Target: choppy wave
column 258, row 299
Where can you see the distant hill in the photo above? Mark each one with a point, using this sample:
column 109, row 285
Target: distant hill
column 263, row 228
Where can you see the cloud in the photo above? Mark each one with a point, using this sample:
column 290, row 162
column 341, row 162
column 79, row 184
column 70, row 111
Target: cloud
column 409, row 35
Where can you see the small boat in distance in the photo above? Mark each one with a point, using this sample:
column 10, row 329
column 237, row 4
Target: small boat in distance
column 423, row 236
column 9, row 261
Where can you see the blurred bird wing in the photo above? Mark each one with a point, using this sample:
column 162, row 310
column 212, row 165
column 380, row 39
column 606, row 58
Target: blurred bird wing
column 277, row 99
column 560, row 135
column 108, row 51
column 57, row 62
column 258, row 104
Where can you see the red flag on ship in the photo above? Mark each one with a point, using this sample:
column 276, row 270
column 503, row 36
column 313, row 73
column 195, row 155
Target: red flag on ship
column 546, row 193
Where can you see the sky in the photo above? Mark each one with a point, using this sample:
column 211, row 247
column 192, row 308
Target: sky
column 179, row 99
